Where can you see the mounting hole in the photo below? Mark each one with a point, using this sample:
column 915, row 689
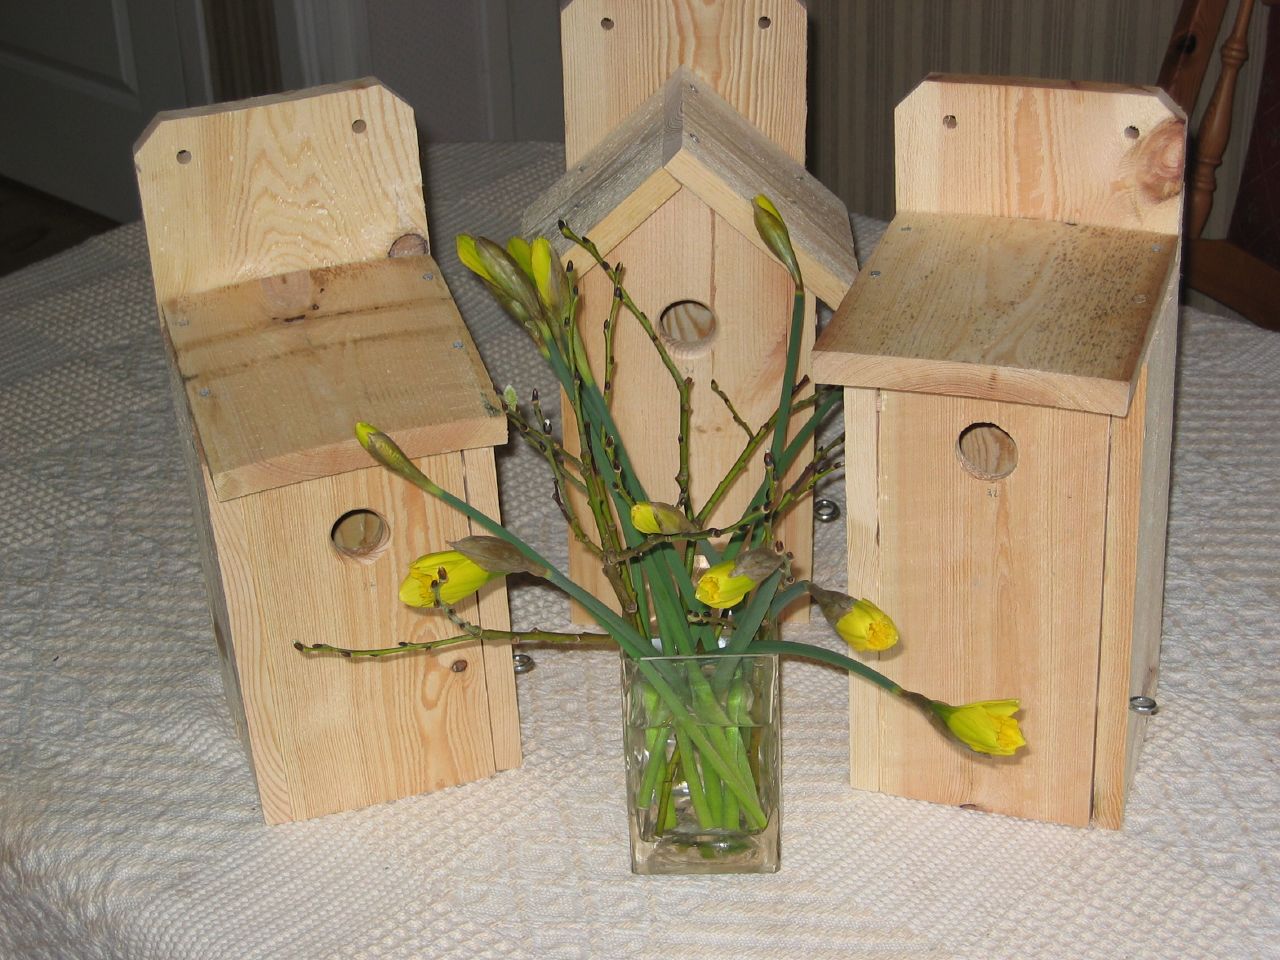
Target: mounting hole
column 358, row 126
column 949, row 121
column 987, row 451
column 764, row 23
column 184, row 156
column 360, row 534
column 688, row 327
column 606, row 23
column 1131, row 132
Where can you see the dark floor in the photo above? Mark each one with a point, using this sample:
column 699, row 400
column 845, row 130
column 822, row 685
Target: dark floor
column 34, row 225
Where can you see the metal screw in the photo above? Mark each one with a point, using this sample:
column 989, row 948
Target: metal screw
column 875, row 274
column 1156, row 247
column 1140, row 298
column 457, row 344
column 522, row 662
column 1144, row 705
column 826, row 510
column 205, row 391
column 458, row 666
column 428, row 276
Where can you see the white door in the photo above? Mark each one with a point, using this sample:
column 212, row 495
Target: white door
column 80, row 79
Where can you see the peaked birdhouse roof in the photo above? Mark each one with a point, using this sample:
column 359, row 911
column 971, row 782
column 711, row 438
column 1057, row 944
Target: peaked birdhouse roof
column 687, row 137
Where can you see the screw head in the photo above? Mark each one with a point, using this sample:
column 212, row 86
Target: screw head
column 1146, row 706
column 522, row 662
column 826, row 510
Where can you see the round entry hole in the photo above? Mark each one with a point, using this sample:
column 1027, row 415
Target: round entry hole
column 359, row 534
column 987, row 451
column 687, row 326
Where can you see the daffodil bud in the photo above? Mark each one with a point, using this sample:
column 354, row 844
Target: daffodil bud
column 466, row 246
column 518, row 247
column 549, row 276
column 773, row 231
column 860, row 623
column 719, row 588
column 507, row 277
column 462, row 577
column 986, row 726
column 496, row 556
column 383, row 449
column 656, row 517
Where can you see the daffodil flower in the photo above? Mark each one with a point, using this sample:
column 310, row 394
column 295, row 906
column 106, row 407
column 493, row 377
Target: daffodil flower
column 719, row 588
column 656, row 517
column 463, row 577
column 860, row 623
column 986, row 726
column 867, row 628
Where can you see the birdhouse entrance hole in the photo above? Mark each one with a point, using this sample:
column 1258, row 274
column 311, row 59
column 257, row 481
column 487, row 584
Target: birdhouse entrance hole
column 986, row 451
column 688, row 326
column 360, row 534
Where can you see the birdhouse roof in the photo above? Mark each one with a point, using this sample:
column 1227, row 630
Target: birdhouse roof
column 278, row 371
column 687, row 137
column 1034, row 248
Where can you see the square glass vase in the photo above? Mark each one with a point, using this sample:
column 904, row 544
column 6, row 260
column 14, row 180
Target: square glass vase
column 703, row 748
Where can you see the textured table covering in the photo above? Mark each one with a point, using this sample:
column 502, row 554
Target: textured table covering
column 128, row 818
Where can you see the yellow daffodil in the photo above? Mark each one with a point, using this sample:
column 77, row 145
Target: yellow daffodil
column 719, row 588
column 659, row 518
column 773, row 231
column 867, row 628
column 860, row 623
column 986, row 726
column 463, row 577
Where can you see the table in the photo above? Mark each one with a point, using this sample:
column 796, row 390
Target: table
column 128, row 818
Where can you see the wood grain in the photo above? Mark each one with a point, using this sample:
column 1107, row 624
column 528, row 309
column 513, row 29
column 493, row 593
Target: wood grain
column 997, row 589
column 331, row 734
column 278, row 370
column 685, row 135
column 1023, row 310
column 1133, row 593
column 1099, row 154
column 752, row 52
column 278, row 184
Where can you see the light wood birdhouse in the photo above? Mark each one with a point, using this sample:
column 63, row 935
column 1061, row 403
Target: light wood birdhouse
column 677, row 114
column 297, row 295
column 1008, row 359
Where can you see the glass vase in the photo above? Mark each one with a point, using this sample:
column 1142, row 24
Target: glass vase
column 703, row 747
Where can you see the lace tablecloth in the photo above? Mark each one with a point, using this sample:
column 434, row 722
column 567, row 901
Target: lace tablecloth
column 128, row 818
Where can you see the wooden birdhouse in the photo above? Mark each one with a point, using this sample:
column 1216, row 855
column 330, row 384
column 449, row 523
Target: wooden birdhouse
column 1008, row 359
column 677, row 114
column 297, row 295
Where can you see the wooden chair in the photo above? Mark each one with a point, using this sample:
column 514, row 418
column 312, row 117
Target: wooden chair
column 1238, row 271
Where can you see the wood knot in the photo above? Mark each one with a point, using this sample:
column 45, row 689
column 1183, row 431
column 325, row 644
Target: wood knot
column 1160, row 159
column 410, row 245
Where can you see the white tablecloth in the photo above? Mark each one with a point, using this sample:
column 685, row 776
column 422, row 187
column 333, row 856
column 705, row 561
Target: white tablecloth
column 128, row 818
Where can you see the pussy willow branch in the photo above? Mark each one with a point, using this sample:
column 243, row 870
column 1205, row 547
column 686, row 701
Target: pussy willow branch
column 733, row 412
column 521, row 636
